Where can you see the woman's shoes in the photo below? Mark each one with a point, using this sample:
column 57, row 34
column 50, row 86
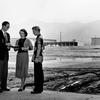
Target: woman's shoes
column 36, row 92
column 21, row 89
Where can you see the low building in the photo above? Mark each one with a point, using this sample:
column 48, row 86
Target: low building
column 51, row 42
column 63, row 43
column 95, row 41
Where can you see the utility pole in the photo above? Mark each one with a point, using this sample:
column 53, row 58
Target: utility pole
column 60, row 38
column 60, row 42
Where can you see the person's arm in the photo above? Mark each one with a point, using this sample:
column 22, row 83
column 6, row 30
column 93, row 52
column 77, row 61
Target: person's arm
column 16, row 47
column 8, row 44
column 38, row 53
column 28, row 45
column 25, row 48
column 38, row 50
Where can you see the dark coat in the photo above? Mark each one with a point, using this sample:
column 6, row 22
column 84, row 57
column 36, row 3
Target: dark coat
column 3, row 47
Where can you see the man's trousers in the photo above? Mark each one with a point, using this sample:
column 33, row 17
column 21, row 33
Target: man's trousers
column 3, row 73
column 38, row 77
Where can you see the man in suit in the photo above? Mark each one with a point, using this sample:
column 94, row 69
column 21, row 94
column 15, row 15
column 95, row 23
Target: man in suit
column 4, row 55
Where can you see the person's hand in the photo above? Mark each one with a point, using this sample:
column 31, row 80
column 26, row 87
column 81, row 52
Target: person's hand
column 8, row 44
column 36, row 60
column 33, row 58
column 25, row 48
column 15, row 48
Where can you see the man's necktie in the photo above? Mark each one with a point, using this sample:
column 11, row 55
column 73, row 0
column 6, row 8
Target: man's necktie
column 6, row 38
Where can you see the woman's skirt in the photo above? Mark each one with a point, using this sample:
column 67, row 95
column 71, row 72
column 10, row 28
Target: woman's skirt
column 22, row 60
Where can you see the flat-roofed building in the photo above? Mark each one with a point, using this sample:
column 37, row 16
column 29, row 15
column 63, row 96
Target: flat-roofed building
column 95, row 41
column 51, row 42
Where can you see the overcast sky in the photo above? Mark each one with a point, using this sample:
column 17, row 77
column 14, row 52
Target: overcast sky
column 17, row 11
column 50, row 10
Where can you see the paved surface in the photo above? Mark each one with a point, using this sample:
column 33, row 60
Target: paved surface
column 46, row 95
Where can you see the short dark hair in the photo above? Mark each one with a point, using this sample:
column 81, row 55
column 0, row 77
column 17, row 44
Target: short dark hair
column 37, row 28
column 5, row 23
column 25, row 32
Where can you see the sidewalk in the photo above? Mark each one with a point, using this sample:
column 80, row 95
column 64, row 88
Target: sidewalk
column 46, row 95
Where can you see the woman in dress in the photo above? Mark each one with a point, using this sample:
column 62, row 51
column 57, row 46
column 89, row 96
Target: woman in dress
column 22, row 46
